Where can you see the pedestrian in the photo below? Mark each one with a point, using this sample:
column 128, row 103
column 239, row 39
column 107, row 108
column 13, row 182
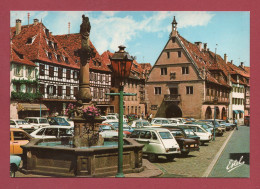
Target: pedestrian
column 150, row 117
column 235, row 121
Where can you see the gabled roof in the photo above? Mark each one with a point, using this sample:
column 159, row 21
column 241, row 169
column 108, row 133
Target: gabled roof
column 206, row 60
column 72, row 43
column 39, row 48
column 236, row 70
column 17, row 57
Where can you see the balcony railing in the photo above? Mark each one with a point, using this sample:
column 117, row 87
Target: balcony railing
column 220, row 99
column 172, row 97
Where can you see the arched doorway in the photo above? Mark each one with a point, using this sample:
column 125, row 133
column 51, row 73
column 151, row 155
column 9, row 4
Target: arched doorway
column 173, row 111
column 224, row 114
column 217, row 113
column 208, row 113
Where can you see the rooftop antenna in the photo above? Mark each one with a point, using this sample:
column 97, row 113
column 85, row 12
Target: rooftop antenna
column 28, row 18
column 143, row 59
column 69, row 28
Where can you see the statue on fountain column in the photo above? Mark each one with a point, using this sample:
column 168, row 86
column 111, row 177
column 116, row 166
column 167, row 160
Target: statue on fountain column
column 85, row 47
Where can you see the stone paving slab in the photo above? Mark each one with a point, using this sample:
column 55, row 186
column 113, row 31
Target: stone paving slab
column 195, row 164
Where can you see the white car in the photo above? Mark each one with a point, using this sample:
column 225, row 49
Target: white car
column 141, row 123
column 53, row 132
column 157, row 142
column 21, row 124
column 160, row 121
column 174, row 121
column 106, row 131
column 204, row 135
column 37, row 122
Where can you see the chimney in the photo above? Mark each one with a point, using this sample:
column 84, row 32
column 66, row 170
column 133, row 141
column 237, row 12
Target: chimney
column 199, row 44
column 18, row 26
column 225, row 58
column 231, row 62
column 35, row 21
column 205, row 46
column 242, row 64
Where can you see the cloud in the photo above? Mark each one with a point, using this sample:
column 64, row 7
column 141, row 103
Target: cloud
column 109, row 29
column 23, row 15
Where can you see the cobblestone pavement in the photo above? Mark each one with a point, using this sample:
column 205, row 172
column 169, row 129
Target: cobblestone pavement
column 195, row 164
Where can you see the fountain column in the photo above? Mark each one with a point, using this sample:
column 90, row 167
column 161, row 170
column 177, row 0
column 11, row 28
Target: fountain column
column 85, row 130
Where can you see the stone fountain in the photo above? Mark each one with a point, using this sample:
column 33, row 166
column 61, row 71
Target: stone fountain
column 86, row 154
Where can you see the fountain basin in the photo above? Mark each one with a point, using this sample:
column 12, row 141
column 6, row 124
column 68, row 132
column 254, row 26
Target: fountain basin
column 43, row 157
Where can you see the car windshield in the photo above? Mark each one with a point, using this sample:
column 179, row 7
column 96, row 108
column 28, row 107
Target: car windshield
column 222, row 122
column 146, row 123
column 22, row 122
column 105, row 127
column 12, row 122
column 165, row 135
column 43, row 121
column 177, row 133
column 189, row 132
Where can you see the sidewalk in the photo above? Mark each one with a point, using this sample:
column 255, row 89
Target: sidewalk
column 149, row 171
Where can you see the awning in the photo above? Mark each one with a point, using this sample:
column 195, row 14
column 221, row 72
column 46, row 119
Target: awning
column 241, row 111
column 235, row 111
column 31, row 107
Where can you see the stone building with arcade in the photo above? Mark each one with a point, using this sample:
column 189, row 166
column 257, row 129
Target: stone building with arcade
column 188, row 80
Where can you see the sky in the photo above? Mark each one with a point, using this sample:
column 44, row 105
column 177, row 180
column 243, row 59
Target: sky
column 145, row 33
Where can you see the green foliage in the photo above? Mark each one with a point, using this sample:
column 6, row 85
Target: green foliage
column 26, row 97
column 25, row 81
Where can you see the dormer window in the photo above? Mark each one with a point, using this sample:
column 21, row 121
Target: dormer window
column 55, row 46
column 66, row 60
column 49, row 55
column 50, row 44
column 47, row 32
column 173, row 39
column 99, row 63
column 29, row 40
column 58, row 58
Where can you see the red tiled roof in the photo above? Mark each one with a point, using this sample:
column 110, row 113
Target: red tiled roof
column 237, row 70
column 18, row 57
column 206, row 59
column 72, row 42
column 39, row 48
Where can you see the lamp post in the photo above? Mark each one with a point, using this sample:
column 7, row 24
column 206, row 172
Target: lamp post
column 215, row 101
column 121, row 63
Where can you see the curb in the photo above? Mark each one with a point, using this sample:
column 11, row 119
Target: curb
column 214, row 161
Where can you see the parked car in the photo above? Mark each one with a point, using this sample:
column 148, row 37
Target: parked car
column 53, row 132
column 189, row 119
column 58, row 121
column 18, row 137
column 109, row 118
column 219, row 130
column 222, row 123
column 21, row 124
column 181, row 120
column 37, row 122
column 198, row 130
column 174, row 121
column 126, row 128
column 160, row 121
column 204, row 125
column 68, row 120
column 14, row 164
column 107, row 131
column 186, row 144
column 157, row 142
column 139, row 123
column 114, row 114
column 191, row 134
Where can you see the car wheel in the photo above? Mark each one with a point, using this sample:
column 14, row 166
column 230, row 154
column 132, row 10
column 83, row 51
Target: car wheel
column 185, row 153
column 12, row 173
column 13, row 168
column 201, row 143
column 152, row 157
column 170, row 157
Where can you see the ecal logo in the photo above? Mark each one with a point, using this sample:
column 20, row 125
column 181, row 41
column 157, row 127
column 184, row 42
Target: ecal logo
column 233, row 164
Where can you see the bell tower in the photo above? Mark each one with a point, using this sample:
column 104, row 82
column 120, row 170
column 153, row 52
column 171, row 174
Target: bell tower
column 174, row 27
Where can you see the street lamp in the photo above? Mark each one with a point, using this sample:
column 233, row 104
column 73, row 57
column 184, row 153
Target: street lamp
column 121, row 63
column 215, row 101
